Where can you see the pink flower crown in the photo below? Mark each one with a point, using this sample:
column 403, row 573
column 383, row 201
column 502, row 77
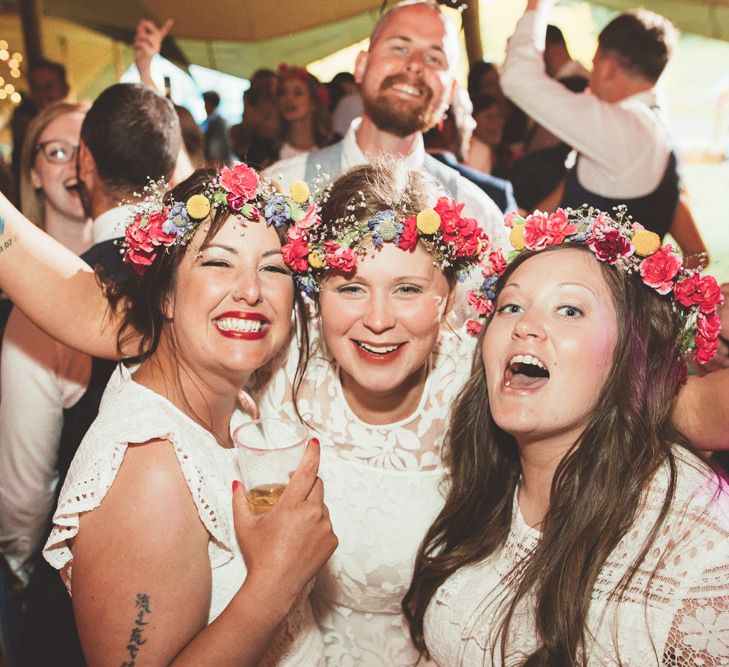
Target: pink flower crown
column 158, row 224
column 621, row 243
column 314, row 247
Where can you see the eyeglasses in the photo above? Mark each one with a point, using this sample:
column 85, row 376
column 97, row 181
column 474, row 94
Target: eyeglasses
column 57, row 151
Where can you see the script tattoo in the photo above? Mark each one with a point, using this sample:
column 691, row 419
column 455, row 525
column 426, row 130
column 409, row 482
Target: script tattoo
column 136, row 639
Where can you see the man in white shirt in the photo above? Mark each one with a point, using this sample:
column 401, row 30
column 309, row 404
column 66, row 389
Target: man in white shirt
column 624, row 150
column 407, row 80
column 50, row 393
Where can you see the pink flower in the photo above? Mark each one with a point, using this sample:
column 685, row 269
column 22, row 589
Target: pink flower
column 541, row 230
column 483, row 306
column 296, row 255
column 239, row 181
column 703, row 292
column 236, row 202
column 509, row 218
column 409, row 237
column 464, row 235
column 473, row 327
column 301, row 229
column 609, row 245
column 496, row 264
column 340, row 258
column 659, row 269
column 154, row 229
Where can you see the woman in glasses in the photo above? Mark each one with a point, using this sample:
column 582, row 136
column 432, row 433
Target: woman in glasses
column 48, row 193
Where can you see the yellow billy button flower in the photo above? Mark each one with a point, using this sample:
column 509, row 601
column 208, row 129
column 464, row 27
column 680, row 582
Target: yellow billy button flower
column 300, row 192
column 428, row 221
column 198, row 207
column 646, row 242
column 516, row 237
column 316, row 261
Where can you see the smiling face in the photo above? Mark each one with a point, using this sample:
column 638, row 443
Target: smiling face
column 407, row 76
column 230, row 311
column 549, row 348
column 58, row 181
column 294, row 100
column 381, row 324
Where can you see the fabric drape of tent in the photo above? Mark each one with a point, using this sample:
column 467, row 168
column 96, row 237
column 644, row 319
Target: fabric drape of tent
column 709, row 18
column 239, row 36
column 233, row 36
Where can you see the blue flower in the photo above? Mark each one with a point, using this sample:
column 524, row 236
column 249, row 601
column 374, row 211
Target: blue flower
column 277, row 211
column 305, row 284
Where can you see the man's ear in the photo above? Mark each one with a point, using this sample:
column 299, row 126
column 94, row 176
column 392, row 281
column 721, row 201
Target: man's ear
column 360, row 65
column 86, row 164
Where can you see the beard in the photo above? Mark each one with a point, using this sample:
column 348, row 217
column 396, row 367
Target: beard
column 399, row 117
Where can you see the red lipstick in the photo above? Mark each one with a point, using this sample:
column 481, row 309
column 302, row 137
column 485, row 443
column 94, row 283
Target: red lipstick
column 242, row 315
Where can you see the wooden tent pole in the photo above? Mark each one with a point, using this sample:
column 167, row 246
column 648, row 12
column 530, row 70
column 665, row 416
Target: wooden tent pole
column 30, row 21
column 472, row 31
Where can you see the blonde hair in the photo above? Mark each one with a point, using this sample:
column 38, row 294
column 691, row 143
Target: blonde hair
column 31, row 198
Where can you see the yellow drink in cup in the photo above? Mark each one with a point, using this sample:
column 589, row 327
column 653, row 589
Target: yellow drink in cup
column 268, row 452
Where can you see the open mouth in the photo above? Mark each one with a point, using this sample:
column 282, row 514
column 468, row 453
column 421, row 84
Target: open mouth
column 71, row 186
column 377, row 352
column 525, row 371
column 407, row 89
column 246, row 326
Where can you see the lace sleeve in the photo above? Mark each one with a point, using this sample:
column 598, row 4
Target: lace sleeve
column 699, row 634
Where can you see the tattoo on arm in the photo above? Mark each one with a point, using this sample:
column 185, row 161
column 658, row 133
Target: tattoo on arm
column 2, row 225
column 136, row 638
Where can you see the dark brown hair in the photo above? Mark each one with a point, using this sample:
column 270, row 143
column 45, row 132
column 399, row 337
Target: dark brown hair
column 596, row 490
column 143, row 298
column 321, row 120
column 642, row 41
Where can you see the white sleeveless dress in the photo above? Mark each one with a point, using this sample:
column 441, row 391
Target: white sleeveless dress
column 209, row 471
column 383, row 486
column 680, row 618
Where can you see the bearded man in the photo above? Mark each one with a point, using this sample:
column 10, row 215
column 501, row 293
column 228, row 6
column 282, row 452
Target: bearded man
column 407, row 81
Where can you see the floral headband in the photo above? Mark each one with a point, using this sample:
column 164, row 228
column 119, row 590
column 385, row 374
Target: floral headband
column 158, row 225
column 621, row 243
column 314, row 247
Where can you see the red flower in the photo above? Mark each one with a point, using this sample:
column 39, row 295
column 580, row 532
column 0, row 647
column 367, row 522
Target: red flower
column 496, row 264
column 340, row 258
column 154, row 229
column 541, row 230
column 705, row 348
column 473, row 327
column 236, row 202
column 239, row 181
column 703, row 292
column 483, row 306
column 609, row 245
column 709, row 325
column 659, row 269
column 296, row 255
column 409, row 237
column 464, row 235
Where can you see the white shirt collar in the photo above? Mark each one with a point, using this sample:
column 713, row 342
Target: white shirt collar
column 352, row 154
column 110, row 224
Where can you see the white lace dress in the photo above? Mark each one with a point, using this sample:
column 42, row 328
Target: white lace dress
column 679, row 619
column 208, row 470
column 383, row 488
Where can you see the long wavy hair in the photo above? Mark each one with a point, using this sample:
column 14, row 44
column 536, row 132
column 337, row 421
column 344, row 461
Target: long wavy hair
column 143, row 298
column 596, row 491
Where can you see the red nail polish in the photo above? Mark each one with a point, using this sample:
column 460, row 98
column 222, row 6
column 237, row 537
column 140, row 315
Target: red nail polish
column 236, row 484
column 315, row 441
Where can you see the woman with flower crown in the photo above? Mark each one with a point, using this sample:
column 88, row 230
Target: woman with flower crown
column 381, row 263
column 165, row 563
column 376, row 386
column 579, row 526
